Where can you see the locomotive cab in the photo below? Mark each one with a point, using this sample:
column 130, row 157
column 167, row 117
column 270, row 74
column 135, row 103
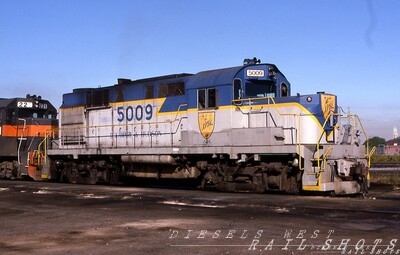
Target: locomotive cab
column 260, row 81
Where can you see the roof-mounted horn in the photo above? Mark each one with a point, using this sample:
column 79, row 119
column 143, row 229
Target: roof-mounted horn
column 251, row 61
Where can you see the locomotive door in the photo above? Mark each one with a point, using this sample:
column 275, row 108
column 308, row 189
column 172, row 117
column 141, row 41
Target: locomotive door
column 99, row 128
column 202, row 127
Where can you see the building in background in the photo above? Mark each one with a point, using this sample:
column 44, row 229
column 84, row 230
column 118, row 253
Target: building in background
column 392, row 147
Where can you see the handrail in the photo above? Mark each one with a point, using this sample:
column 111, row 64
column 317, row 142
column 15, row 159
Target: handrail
column 168, row 121
column 369, row 155
column 365, row 134
column 331, row 113
column 368, row 152
column 324, row 157
column 132, row 124
column 179, row 109
column 355, row 120
column 20, row 139
column 39, row 150
column 234, row 102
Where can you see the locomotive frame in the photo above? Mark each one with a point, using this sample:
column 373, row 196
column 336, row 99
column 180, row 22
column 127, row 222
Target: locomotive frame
column 234, row 129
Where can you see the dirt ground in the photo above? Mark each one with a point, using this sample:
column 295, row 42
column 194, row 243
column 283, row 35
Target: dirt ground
column 54, row 218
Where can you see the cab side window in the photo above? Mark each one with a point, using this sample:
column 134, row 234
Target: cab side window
column 237, row 89
column 284, row 90
column 207, row 98
column 201, row 99
column 149, row 92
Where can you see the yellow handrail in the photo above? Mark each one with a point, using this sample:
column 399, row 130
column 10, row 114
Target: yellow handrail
column 366, row 136
column 82, row 127
column 132, row 124
column 369, row 155
column 355, row 120
column 320, row 137
column 325, row 156
column 237, row 101
column 39, row 151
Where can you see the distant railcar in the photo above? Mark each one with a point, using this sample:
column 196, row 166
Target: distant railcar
column 25, row 125
column 235, row 129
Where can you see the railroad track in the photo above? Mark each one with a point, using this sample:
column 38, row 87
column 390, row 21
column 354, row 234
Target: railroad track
column 386, row 173
column 386, row 165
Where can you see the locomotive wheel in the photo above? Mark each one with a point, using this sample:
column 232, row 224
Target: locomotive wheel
column 114, row 176
column 90, row 177
column 258, row 181
column 73, row 176
column 86, row 177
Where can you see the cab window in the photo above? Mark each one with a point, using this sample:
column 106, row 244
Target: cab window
column 237, row 89
column 260, row 89
column 284, row 90
column 206, row 98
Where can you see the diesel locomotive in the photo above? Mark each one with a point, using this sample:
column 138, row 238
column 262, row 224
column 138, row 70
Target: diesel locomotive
column 25, row 126
column 234, row 129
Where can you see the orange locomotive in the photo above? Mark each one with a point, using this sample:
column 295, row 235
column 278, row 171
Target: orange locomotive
column 25, row 126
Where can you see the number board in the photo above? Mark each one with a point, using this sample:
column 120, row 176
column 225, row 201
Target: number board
column 24, row 104
column 255, row 73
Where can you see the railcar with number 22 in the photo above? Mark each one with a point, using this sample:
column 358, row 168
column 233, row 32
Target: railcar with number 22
column 25, row 125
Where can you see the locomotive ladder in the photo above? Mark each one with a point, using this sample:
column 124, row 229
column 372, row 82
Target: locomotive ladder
column 20, row 139
column 37, row 162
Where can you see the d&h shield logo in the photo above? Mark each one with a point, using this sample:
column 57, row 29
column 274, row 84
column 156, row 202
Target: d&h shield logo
column 206, row 123
column 328, row 103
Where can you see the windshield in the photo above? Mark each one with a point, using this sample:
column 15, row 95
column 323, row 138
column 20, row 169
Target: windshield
column 260, row 89
column 36, row 114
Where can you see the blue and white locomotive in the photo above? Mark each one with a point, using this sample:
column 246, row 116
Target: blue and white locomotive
column 235, row 129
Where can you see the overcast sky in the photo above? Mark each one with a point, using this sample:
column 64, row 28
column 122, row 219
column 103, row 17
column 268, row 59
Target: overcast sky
column 348, row 48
